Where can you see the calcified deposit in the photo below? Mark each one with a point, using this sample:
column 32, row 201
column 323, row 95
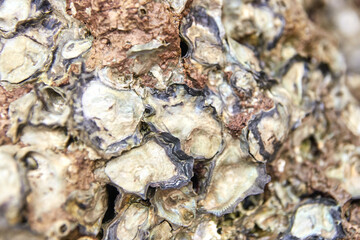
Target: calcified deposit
column 175, row 119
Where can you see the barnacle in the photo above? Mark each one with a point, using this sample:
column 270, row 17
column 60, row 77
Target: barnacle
column 177, row 119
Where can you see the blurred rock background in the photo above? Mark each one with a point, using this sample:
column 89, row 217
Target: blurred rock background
column 341, row 18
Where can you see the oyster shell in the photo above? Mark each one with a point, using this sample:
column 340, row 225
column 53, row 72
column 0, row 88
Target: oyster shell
column 15, row 13
column 178, row 206
column 88, row 207
column 13, row 186
column 187, row 118
column 136, row 170
column 56, row 188
column 164, row 119
column 347, row 171
column 48, row 190
column 45, row 106
column 75, row 48
column 161, row 231
column 316, row 220
column 235, row 176
column 12, row 13
column 201, row 30
column 20, row 58
column 109, row 118
column 267, row 130
column 206, row 230
column 56, row 138
column 133, row 223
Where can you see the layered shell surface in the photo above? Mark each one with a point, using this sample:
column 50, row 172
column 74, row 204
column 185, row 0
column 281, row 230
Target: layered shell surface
column 176, row 119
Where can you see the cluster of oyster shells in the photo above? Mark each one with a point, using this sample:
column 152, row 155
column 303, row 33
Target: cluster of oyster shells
column 175, row 119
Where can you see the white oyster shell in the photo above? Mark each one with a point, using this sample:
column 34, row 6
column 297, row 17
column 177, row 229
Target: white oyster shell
column 161, row 232
column 20, row 58
column 178, row 206
column 267, row 130
column 244, row 55
column 55, row 138
column 235, row 176
column 12, row 12
column 75, row 48
column 134, row 171
column 46, row 107
column 315, row 219
column 48, row 193
column 202, row 32
column 243, row 19
column 51, row 108
column 131, row 224
column 12, row 186
column 192, row 123
column 206, row 230
column 115, row 115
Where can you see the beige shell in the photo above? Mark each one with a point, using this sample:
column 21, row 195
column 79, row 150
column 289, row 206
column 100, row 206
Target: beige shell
column 347, row 170
column 12, row 12
column 315, row 219
column 47, row 107
column 48, row 193
column 144, row 166
column 267, row 130
column 235, row 176
column 20, row 58
column 109, row 118
column 13, row 186
column 133, row 223
column 162, row 231
column 161, row 119
column 178, row 206
column 187, row 119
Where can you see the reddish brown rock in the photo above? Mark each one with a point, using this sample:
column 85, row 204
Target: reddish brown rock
column 118, row 25
column 240, row 120
column 7, row 97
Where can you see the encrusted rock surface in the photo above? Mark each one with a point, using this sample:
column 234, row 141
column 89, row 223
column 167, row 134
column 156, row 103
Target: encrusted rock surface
column 179, row 119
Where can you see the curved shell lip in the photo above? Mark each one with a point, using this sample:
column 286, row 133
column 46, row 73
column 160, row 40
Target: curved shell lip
column 41, row 8
column 167, row 137
column 29, row 79
column 183, row 165
column 199, row 103
column 179, row 158
column 161, row 212
column 110, row 227
column 335, row 214
column 112, row 150
column 255, row 189
column 252, row 126
column 198, row 14
column 295, row 59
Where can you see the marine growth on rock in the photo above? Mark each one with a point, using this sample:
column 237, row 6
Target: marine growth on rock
column 177, row 119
